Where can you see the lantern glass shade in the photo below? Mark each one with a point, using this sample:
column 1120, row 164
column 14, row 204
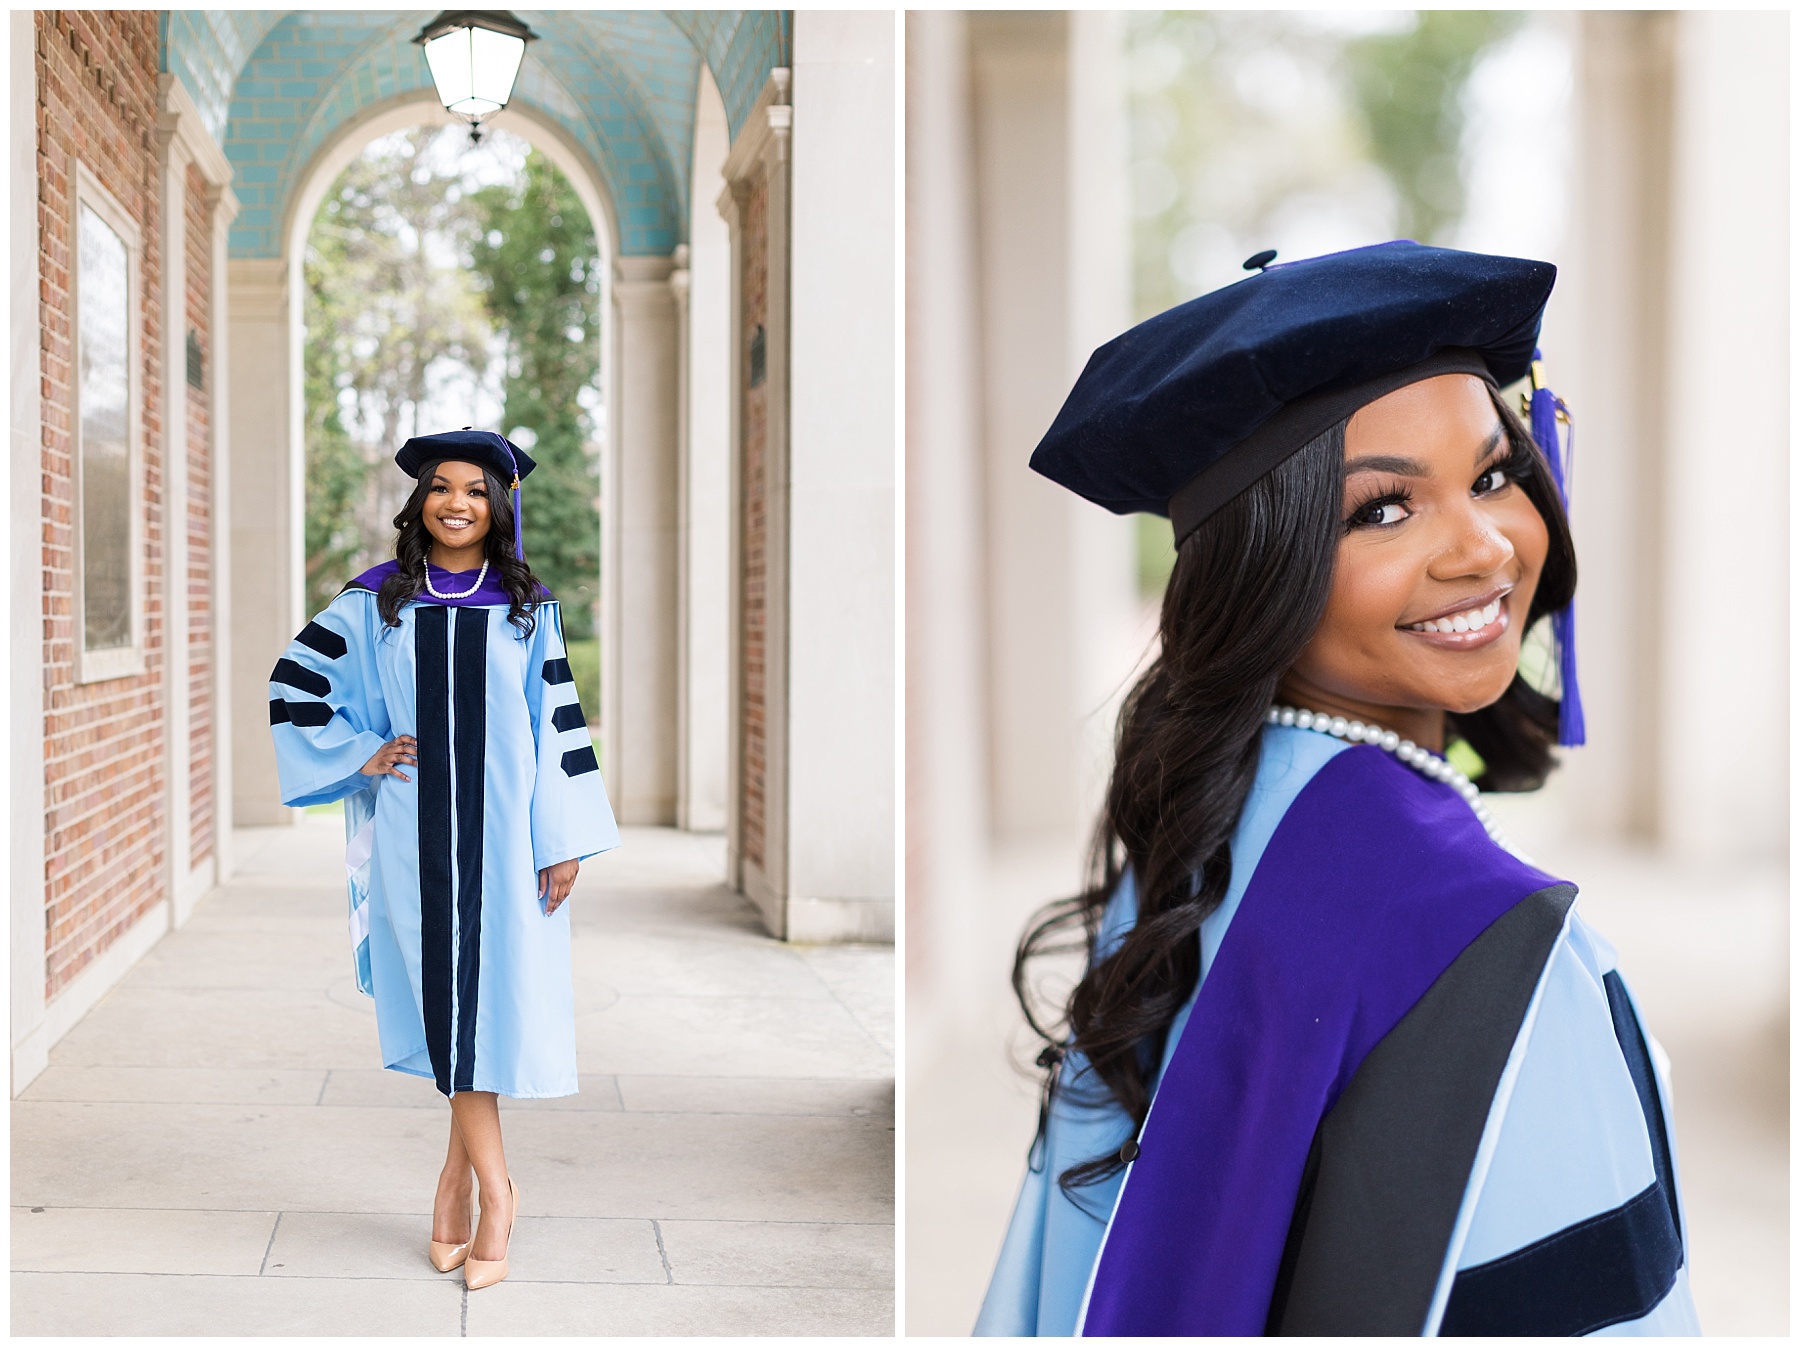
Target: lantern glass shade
column 474, row 69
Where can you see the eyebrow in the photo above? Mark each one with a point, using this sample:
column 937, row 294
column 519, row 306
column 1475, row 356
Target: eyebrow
column 1412, row 467
column 437, row 477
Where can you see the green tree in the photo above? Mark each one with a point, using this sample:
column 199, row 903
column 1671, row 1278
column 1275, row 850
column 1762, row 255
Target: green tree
column 1243, row 121
column 538, row 267
column 1408, row 86
column 391, row 315
column 336, row 474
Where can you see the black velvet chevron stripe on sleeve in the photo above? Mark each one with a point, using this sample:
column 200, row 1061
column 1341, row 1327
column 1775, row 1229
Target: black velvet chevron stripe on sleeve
column 557, row 671
column 322, row 639
column 299, row 713
column 580, row 760
column 1609, row 1269
column 298, row 676
column 568, row 717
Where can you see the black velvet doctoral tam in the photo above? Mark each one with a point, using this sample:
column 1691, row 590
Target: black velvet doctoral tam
column 1185, row 410
column 492, row 451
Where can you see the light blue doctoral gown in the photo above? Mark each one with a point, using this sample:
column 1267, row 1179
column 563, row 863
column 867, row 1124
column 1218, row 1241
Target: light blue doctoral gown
column 471, row 979
column 1566, row 1139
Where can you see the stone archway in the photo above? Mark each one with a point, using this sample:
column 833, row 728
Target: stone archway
column 639, row 342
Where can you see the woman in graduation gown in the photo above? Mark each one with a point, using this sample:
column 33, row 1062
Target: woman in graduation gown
column 433, row 696
column 1342, row 1061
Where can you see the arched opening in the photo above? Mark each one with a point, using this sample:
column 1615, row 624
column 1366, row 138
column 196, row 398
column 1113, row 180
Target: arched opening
column 487, row 367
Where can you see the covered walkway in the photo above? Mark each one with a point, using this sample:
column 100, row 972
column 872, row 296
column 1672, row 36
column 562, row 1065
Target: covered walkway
column 214, row 1150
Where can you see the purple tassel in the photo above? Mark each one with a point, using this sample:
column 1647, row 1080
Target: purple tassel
column 518, row 522
column 1571, row 728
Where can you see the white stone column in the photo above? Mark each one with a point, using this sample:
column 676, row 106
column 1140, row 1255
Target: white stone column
column 23, row 485
column 946, row 727
column 223, row 206
column 706, row 483
column 186, row 143
column 1610, row 306
column 1721, row 631
column 639, row 579
column 842, row 691
column 265, row 548
column 177, row 711
column 1061, row 593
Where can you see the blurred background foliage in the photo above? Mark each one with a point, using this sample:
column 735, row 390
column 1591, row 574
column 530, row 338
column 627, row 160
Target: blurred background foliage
column 1306, row 132
column 451, row 285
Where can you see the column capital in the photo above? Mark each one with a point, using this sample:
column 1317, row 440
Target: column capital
column 180, row 130
column 644, row 284
column 766, row 130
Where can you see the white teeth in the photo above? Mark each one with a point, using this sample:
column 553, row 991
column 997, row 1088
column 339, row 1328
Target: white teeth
column 1472, row 620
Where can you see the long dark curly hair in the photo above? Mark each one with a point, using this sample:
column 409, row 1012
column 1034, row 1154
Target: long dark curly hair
column 414, row 545
column 1249, row 588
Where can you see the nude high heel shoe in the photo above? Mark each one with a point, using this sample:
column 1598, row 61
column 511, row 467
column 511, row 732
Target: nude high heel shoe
column 478, row 1272
column 449, row 1257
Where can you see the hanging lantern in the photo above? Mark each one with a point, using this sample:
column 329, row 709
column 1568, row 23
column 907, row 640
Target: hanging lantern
column 474, row 55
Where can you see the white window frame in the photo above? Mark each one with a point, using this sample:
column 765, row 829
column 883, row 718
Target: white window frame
column 93, row 666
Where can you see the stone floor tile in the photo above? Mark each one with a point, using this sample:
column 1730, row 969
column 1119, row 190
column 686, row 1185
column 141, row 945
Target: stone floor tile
column 727, row 1036
column 121, row 1304
column 677, row 963
column 771, row 1253
column 177, row 1085
column 660, row 858
column 690, row 1311
column 99, row 1239
column 737, row 1166
column 206, row 955
column 245, row 1028
column 713, row 910
column 377, row 1087
column 334, row 1244
column 862, row 977
column 244, row 1157
column 374, row 1087
column 726, row 1167
column 598, row 1094
column 249, row 903
column 360, row 1244
column 564, row 1249
column 753, row 1094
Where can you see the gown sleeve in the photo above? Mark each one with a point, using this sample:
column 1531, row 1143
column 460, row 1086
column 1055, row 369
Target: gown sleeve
column 571, row 818
column 1573, row 1206
column 326, row 709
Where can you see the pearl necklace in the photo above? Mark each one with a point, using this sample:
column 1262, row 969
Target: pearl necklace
column 1421, row 760
column 439, row 594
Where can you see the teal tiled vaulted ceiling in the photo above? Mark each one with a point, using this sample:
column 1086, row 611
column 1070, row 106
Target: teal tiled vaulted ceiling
column 274, row 87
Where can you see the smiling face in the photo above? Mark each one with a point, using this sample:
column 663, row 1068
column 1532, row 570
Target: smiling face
column 1439, row 557
column 456, row 515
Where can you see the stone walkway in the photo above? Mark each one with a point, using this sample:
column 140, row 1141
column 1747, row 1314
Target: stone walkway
column 213, row 1149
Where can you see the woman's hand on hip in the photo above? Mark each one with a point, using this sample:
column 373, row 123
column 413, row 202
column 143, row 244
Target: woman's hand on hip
column 389, row 756
column 554, row 883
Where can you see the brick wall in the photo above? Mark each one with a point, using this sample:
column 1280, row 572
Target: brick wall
column 103, row 742
column 755, row 244
column 199, row 522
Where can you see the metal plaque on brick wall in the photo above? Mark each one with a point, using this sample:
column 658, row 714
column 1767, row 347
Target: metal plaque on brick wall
column 759, row 357
column 196, row 361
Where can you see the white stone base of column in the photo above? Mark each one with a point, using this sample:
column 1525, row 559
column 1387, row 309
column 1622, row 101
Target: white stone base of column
column 771, row 903
column 840, row 921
